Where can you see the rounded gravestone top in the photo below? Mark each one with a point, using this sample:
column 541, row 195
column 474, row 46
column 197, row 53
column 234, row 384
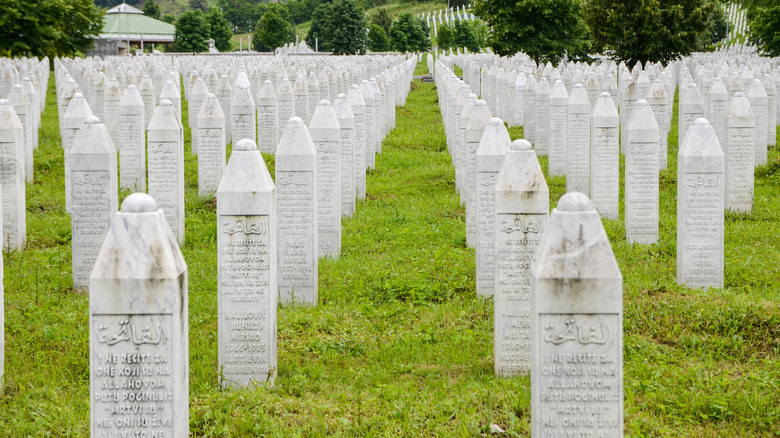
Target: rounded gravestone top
column 341, row 96
column 139, row 203
column 701, row 121
column 471, row 96
column 692, row 85
column 354, row 87
column 605, row 95
column 574, row 201
column 577, row 85
column 495, row 121
column 243, row 87
column 324, row 102
column 211, row 96
column 131, row 87
column 75, row 96
column 246, row 145
column 295, row 121
column 92, row 120
column 641, row 102
column 5, row 102
column 169, row 82
column 739, row 94
column 166, row 102
column 558, row 80
column 520, row 145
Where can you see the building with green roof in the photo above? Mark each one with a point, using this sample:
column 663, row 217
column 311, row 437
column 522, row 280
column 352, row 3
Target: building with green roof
column 125, row 25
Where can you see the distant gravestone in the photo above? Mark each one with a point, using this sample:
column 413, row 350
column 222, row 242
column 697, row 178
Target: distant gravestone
column 171, row 93
column 518, row 115
column 95, row 198
column 656, row 97
column 211, row 146
column 700, row 208
column 12, row 184
column 78, row 111
column 198, row 94
column 149, row 97
column 771, row 94
column 248, row 293
column 641, row 170
column 301, row 98
column 296, row 204
column 166, row 166
column 346, row 156
column 542, row 118
column 739, row 155
column 558, row 147
column 490, row 158
column 578, row 148
column 23, row 108
column 132, row 141
column 522, row 206
column 267, row 119
column 225, row 96
column 475, row 127
column 758, row 104
column 286, row 105
column 577, row 327
column 138, row 343
column 358, row 107
column 529, row 109
column 111, row 99
column 324, row 131
column 605, row 158
column 242, row 116
column 370, row 115
column 691, row 107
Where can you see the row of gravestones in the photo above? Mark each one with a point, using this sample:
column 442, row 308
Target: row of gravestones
column 509, row 199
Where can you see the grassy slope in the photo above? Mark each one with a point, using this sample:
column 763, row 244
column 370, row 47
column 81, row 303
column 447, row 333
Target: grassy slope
column 399, row 345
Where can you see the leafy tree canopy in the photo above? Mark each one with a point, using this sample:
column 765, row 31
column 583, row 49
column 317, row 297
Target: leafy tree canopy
column 320, row 31
column 446, row 37
column 382, row 19
column 272, row 31
column 377, row 39
column 48, row 27
column 199, row 5
column 219, row 29
column 649, row 30
column 152, row 9
column 765, row 29
column 465, row 37
column 348, row 29
column 407, row 35
column 192, row 31
column 543, row 29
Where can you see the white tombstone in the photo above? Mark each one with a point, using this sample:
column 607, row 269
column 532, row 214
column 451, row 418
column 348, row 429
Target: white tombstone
column 691, row 107
column 758, row 103
column 267, row 119
column 605, row 158
column 522, row 202
column 700, row 208
column 578, row 148
column 739, row 155
column 211, row 146
column 656, row 97
column 14, row 221
column 577, row 327
column 529, row 109
column 242, row 116
column 111, row 99
column 370, row 116
column 296, row 205
column 771, row 93
column 286, row 105
column 347, row 156
column 358, row 107
column 379, row 111
column 313, row 91
column 149, row 97
column 559, row 103
column 225, row 96
column 641, row 170
column 166, row 165
column 324, row 131
column 301, row 98
column 132, row 141
column 23, row 109
column 138, row 327
column 198, row 94
column 629, row 96
column 542, row 118
column 95, row 198
column 475, row 127
column 247, row 283
column 518, row 115
column 490, row 158
column 171, row 93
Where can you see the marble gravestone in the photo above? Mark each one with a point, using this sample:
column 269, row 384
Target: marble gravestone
column 301, row 97
column 225, row 96
column 529, row 109
column 324, row 131
column 475, row 127
column 211, row 146
column 719, row 101
column 522, row 206
column 132, row 141
column 111, row 99
column 578, row 148
column 198, row 94
column 605, row 158
column 166, row 166
column 559, row 104
column 691, row 107
column 700, row 218
column 171, row 93
column 247, row 291
column 518, row 115
column 739, row 155
column 286, row 105
column 267, row 119
column 641, row 170
column 149, row 98
column 95, row 195
column 576, row 326
column 78, row 111
column 370, row 117
column 23, row 108
column 490, row 158
column 659, row 102
column 296, row 207
column 347, row 155
column 358, row 107
column 542, row 118
column 242, row 116
column 757, row 97
column 138, row 342
column 14, row 210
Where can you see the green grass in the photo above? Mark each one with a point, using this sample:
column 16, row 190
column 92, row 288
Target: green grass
column 399, row 345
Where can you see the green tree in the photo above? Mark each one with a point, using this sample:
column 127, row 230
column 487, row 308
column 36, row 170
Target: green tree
column 382, row 19
column 48, row 27
column 464, row 36
column 348, row 29
column 168, row 18
column 765, row 30
column 648, row 30
column 199, row 5
column 320, row 31
column 446, row 37
column 219, row 29
column 543, row 29
column 377, row 39
column 152, row 9
column 192, row 31
column 271, row 32
column 407, row 35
